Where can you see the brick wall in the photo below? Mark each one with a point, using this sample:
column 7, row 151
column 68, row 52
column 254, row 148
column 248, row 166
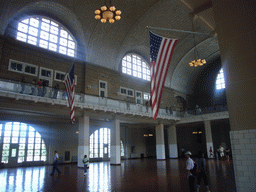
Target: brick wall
column 243, row 145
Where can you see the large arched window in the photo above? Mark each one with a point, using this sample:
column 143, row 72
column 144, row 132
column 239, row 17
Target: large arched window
column 134, row 65
column 46, row 33
column 220, row 82
column 100, row 144
column 20, row 142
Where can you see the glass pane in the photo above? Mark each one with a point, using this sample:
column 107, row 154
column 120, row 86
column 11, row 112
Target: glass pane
column 21, row 37
column 34, row 22
column 25, row 21
column 63, row 42
column 36, row 158
column 45, row 26
column 44, row 35
column 7, row 139
column 23, row 126
column 4, row 160
column 32, row 40
column 5, row 153
column 43, row 152
column 53, row 38
column 8, row 126
column 15, row 134
column 31, row 134
column 43, row 146
column 14, row 152
column 71, row 53
column 52, row 47
column 30, row 152
column 37, row 152
column 15, row 140
column 30, row 140
column 45, row 20
column 32, row 31
column 6, row 146
column 54, row 30
column 43, row 44
column 21, row 153
column 71, row 44
column 30, row 146
column 38, row 140
column 63, row 33
column 20, row 159
column 22, row 140
column 62, row 50
column 37, row 146
column 7, row 133
column 23, row 27
column 29, row 158
column 43, row 158
column 21, row 146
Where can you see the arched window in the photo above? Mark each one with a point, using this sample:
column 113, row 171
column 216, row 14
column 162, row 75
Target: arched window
column 134, row 65
column 21, row 143
column 100, row 144
column 220, row 82
column 46, row 33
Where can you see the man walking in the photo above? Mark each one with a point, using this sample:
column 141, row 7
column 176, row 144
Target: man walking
column 189, row 166
column 55, row 164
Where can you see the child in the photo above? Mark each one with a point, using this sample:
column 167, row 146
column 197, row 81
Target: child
column 86, row 163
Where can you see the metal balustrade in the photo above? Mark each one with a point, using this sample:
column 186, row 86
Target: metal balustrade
column 13, row 89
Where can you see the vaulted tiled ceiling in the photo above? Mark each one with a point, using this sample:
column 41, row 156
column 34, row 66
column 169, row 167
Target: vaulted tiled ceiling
column 106, row 44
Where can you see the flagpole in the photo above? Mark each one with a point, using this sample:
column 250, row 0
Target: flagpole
column 176, row 30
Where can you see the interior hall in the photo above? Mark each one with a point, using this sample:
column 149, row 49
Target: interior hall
column 207, row 101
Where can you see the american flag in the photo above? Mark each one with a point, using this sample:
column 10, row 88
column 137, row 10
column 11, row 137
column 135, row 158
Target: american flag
column 161, row 50
column 69, row 82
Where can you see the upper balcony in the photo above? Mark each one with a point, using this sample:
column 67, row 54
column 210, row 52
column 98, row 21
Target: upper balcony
column 85, row 103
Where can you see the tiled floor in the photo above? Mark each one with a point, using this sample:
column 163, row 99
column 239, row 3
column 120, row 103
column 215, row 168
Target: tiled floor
column 133, row 175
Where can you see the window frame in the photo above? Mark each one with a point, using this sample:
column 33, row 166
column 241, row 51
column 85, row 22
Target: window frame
column 44, row 77
column 127, row 89
column 132, row 55
column 103, row 89
column 24, row 64
column 39, row 36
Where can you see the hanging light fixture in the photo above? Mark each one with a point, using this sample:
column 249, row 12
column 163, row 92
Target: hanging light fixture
column 106, row 13
column 197, row 62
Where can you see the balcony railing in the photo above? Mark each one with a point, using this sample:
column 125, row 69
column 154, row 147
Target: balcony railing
column 13, row 89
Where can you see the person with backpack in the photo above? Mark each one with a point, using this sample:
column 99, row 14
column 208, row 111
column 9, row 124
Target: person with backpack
column 191, row 168
column 86, row 163
column 202, row 172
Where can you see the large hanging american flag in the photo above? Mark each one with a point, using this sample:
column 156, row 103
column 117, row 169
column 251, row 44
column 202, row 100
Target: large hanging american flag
column 161, row 50
column 69, row 82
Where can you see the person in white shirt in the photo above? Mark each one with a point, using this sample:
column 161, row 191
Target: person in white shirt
column 86, row 163
column 55, row 164
column 189, row 166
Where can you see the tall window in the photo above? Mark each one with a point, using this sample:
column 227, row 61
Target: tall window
column 20, row 142
column 220, row 82
column 46, row 33
column 100, row 144
column 134, row 65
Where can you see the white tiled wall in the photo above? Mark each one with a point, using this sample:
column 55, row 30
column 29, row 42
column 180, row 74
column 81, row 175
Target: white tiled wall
column 243, row 145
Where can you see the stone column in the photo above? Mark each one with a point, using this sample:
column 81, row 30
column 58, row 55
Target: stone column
column 208, row 135
column 160, row 148
column 115, row 152
column 83, row 140
column 235, row 26
column 172, row 142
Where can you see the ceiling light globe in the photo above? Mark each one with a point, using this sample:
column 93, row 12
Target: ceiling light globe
column 204, row 61
column 111, row 20
column 117, row 17
column 104, row 8
column 112, row 8
column 191, row 64
column 108, row 15
column 97, row 12
column 103, row 20
column 97, row 16
column 118, row 12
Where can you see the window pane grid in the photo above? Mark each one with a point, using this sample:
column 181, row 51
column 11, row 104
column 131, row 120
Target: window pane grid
column 133, row 65
column 21, row 140
column 45, row 33
column 220, row 82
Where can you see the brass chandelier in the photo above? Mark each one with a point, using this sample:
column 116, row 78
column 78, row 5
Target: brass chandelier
column 106, row 13
column 196, row 62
